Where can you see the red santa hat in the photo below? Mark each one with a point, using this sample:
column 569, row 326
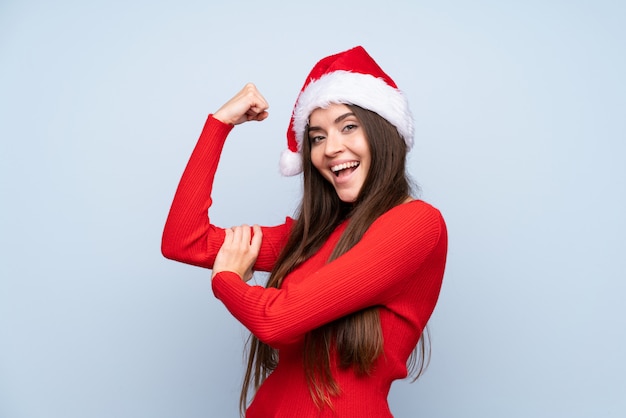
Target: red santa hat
column 349, row 77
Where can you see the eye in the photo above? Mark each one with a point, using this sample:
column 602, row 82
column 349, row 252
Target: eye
column 316, row 139
column 349, row 127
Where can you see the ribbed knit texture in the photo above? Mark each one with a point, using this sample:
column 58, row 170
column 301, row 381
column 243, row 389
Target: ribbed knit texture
column 398, row 265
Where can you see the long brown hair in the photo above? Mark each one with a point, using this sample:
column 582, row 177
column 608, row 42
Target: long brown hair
column 357, row 337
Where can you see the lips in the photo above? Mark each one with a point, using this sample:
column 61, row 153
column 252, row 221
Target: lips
column 344, row 168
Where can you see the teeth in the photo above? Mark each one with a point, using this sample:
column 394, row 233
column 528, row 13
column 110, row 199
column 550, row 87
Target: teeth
column 343, row 166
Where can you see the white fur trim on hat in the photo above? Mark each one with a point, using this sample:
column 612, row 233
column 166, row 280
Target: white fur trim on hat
column 362, row 90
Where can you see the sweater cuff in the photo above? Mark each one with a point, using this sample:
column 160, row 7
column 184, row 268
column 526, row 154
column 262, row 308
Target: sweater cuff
column 217, row 125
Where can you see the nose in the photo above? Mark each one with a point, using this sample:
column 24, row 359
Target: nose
column 333, row 144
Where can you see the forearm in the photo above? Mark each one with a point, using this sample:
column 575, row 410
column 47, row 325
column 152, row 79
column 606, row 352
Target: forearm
column 188, row 235
column 403, row 251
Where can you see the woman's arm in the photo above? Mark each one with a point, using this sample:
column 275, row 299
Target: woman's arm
column 404, row 249
column 188, row 235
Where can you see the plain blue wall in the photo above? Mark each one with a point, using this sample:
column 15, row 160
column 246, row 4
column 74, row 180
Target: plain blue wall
column 521, row 142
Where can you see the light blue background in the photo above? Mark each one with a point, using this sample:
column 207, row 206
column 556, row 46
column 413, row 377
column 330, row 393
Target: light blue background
column 521, row 130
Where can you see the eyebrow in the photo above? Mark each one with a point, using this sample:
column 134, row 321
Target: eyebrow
column 337, row 120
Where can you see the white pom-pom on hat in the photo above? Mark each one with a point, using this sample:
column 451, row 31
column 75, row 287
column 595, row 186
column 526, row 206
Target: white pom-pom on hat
column 290, row 163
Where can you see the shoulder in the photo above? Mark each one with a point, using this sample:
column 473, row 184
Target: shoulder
column 416, row 219
column 413, row 212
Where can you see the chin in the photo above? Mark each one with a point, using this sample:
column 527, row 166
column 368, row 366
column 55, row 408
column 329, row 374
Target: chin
column 347, row 197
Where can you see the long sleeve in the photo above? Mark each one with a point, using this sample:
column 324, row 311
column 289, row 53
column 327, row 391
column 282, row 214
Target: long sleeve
column 402, row 253
column 188, row 235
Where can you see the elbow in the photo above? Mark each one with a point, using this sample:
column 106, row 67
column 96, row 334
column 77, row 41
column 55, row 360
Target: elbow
column 170, row 248
column 167, row 251
column 182, row 251
column 276, row 343
column 276, row 338
column 174, row 246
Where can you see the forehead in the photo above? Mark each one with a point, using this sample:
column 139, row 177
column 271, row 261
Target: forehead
column 330, row 112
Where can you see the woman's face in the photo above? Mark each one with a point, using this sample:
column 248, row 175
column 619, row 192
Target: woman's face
column 339, row 149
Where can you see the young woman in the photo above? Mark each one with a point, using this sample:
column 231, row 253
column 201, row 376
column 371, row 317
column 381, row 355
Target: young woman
column 355, row 275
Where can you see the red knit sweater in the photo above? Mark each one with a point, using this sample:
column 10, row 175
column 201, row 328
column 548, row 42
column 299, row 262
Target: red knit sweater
column 398, row 265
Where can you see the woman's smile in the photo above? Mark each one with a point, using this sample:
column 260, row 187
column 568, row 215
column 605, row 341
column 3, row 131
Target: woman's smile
column 339, row 149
